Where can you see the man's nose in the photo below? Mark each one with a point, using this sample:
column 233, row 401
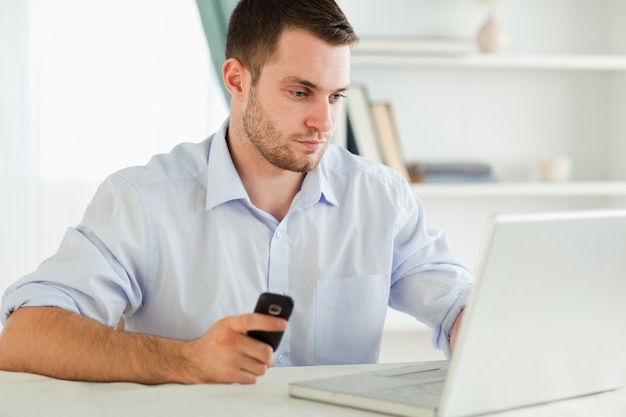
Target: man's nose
column 320, row 118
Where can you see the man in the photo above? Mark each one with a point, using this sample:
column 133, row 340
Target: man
column 181, row 248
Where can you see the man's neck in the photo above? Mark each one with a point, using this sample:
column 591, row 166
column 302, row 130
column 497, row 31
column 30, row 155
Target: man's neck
column 270, row 188
column 273, row 195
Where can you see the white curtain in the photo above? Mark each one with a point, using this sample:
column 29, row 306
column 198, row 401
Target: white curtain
column 87, row 88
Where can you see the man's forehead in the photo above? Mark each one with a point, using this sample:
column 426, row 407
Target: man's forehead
column 304, row 59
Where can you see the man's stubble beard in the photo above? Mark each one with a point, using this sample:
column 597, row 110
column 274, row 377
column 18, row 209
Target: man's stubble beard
column 269, row 142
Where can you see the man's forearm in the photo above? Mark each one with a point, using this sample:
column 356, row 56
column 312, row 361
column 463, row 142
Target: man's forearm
column 61, row 344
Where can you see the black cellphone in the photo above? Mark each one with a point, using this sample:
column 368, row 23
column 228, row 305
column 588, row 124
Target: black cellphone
column 275, row 305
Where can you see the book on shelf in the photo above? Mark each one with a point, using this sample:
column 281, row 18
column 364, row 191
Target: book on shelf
column 415, row 45
column 388, row 137
column 362, row 135
column 451, row 172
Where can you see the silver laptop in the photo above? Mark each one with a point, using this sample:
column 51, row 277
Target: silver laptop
column 544, row 322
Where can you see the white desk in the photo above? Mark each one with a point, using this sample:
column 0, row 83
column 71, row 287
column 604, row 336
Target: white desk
column 32, row 395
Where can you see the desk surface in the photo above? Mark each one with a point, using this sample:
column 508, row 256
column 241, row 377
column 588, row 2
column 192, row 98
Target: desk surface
column 33, row 395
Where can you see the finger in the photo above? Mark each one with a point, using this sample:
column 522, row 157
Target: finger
column 223, row 335
column 259, row 352
column 244, row 371
column 256, row 321
column 235, row 374
column 251, row 366
column 229, row 357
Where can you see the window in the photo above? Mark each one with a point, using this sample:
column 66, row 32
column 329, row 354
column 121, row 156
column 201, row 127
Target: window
column 120, row 81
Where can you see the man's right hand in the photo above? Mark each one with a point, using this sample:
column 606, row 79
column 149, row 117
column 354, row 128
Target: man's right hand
column 226, row 354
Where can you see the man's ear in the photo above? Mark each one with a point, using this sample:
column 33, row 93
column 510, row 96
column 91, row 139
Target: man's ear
column 234, row 73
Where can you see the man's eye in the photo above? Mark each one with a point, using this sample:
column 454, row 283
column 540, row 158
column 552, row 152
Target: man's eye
column 337, row 97
column 299, row 94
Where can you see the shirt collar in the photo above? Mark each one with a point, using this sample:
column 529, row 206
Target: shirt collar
column 316, row 187
column 224, row 183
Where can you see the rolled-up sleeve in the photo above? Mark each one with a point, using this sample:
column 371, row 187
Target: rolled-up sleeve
column 428, row 281
column 92, row 273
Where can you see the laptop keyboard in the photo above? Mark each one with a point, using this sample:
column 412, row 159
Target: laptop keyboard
column 423, row 393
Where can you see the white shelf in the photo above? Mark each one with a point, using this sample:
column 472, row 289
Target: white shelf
column 504, row 61
column 528, row 189
column 560, row 89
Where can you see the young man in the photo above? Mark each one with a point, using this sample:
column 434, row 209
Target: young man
column 182, row 247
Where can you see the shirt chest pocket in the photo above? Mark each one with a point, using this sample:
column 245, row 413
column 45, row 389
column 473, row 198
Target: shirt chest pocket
column 350, row 314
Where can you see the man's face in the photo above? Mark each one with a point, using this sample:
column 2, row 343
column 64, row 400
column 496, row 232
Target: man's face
column 291, row 112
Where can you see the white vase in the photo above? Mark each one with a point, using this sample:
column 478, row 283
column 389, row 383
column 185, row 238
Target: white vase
column 492, row 37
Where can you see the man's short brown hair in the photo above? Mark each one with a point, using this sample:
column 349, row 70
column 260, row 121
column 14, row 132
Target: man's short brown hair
column 256, row 25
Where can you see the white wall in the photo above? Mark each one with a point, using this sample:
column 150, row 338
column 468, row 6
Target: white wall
column 18, row 136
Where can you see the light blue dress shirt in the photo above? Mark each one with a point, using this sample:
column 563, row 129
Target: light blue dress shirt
column 176, row 245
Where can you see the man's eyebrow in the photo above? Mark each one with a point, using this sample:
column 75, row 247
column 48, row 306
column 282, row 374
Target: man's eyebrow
column 308, row 84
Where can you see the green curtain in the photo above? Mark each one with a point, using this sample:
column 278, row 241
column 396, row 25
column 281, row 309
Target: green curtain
column 214, row 15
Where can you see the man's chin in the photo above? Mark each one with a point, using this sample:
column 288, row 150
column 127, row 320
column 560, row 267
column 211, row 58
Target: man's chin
column 306, row 166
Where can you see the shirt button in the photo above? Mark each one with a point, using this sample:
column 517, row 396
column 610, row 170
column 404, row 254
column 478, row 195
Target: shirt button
column 279, row 234
column 281, row 359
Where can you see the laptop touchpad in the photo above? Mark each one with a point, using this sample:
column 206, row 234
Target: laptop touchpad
column 415, row 375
